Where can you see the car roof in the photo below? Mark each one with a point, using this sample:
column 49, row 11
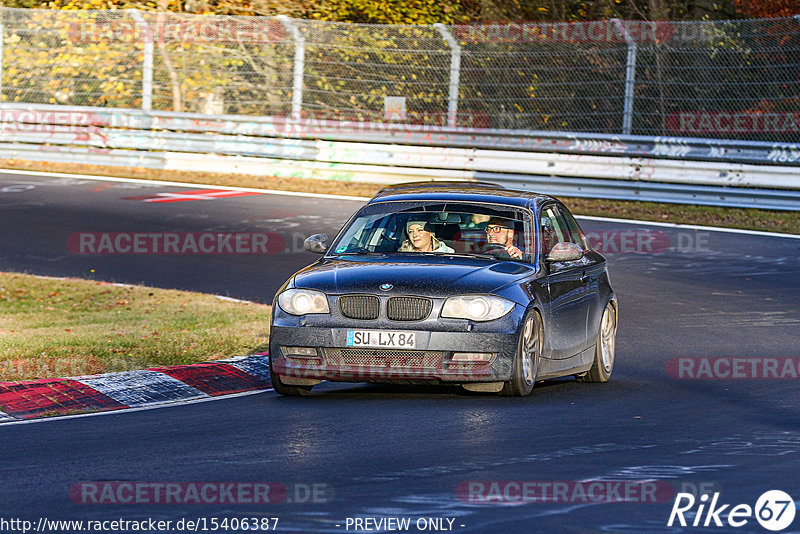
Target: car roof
column 453, row 191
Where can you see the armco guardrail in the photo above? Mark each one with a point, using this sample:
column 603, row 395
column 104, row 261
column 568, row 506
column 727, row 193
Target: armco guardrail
column 685, row 170
column 19, row 117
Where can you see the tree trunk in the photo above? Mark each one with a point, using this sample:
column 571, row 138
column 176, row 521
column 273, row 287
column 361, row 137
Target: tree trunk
column 177, row 101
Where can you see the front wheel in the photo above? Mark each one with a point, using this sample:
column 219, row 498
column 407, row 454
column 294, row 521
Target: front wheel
column 603, row 363
column 527, row 359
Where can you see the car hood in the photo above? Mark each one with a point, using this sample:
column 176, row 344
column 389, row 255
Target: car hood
column 433, row 276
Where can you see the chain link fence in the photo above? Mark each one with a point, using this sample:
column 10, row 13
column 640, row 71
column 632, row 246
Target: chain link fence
column 721, row 79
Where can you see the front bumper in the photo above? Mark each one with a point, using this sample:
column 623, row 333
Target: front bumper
column 432, row 359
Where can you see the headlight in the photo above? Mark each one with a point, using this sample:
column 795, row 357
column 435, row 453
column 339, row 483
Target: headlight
column 476, row 308
column 303, row 301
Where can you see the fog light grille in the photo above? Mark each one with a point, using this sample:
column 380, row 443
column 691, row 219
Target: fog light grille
column 417, row 359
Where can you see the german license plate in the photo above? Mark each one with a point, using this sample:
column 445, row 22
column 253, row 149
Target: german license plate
column 381, row 339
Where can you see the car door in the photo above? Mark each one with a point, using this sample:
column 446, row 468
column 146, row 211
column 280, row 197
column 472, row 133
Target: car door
column 567, row 287
column 594, row 266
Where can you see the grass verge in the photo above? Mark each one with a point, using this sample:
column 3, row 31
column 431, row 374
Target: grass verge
column 53, row 327
column 749, row 219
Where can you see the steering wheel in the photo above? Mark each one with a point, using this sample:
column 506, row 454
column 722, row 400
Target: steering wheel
column 495, row 249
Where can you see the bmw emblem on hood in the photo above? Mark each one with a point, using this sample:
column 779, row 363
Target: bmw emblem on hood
column 386, row 287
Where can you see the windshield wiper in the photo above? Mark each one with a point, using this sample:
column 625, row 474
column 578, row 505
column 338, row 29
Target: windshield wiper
column 475, row 255
column 359, row 253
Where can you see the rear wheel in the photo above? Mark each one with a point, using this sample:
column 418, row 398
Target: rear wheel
column 528, row 357
column 603, row 364
column 289, row 391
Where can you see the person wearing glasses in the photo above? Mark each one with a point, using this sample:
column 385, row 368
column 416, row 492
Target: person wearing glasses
column 421, row 238
column 500, row 233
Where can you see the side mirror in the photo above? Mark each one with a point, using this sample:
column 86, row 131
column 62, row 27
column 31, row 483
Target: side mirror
column 317, row 243
column 565, row 252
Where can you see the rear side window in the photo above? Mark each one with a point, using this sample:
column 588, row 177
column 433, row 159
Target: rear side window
column 559, row 226
column 576, row 234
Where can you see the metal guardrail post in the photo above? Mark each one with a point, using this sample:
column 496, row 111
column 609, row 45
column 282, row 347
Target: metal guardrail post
column 630, row 78
column 455, row 74
column 147, row 65
column 299, row 65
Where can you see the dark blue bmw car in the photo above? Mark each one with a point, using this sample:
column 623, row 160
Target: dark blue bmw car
column 461, row 283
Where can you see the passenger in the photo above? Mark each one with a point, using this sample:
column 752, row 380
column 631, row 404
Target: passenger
column 421, row 238
column 500, row 231
column 478, row 220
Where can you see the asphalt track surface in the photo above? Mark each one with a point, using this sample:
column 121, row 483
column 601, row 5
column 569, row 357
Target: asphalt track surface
column 392, row 451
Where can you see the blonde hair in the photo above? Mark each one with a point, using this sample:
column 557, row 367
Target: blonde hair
column 408, row 247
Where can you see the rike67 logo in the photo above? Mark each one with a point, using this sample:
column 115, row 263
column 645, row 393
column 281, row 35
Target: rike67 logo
column 774, row 510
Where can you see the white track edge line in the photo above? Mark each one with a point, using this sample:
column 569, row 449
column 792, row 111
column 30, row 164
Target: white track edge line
column 165, row 404
column 689, row 226
column 183, row 184
column 346, row 197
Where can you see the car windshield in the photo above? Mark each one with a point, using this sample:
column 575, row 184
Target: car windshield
column 489, row 230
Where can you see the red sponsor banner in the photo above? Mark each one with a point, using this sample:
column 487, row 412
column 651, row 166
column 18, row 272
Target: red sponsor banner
column 179, row 493
column 732, row 368
column 197, row 30
column 593, row 491
column 203, row 243
column 724, row 122
column 599, row 31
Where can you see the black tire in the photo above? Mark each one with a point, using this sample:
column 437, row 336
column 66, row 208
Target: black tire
column 527, row 360
column 603, row 364
column 289, row 391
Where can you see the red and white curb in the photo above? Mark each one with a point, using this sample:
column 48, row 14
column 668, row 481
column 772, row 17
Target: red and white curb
column 31, row 399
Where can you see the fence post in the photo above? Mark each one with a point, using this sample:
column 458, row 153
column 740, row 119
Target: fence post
column 630, row 78
column 299, row 65
column 455, row 74
column 2, row 38
column 147, row 65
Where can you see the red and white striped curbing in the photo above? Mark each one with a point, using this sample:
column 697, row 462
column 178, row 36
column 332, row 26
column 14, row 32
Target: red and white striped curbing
column 31, row 399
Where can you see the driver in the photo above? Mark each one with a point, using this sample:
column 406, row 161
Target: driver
column 421, row 238
column 500, row 231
